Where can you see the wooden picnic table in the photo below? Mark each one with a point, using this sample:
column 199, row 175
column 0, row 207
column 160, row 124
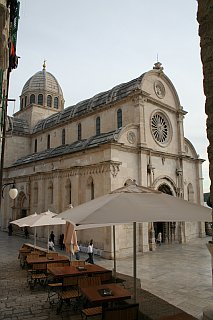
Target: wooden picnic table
column 88, row 269
column 47, row 260
column 32, row 247
column 101, row 294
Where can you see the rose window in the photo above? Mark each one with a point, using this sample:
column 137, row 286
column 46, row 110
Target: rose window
column 160, row 128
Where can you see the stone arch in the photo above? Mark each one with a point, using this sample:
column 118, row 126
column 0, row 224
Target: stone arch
column 22, row 206
column 129, row 181
column 165, row 189
column 166, row 184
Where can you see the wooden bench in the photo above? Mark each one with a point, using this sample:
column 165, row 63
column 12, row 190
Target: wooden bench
column 126, row 312
column 178, row 316
column 91, row 312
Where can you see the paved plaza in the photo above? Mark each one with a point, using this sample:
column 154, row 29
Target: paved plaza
column 179, row 274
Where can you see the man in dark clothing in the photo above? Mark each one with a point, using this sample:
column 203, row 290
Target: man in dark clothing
column 52, row 237
column 10, row 229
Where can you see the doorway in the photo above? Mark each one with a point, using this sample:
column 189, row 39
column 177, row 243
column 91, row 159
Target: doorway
column 167, row 229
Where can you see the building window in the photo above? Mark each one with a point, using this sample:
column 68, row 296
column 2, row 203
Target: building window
column 63, row 137
column 25, row 101
column 50, row 192
column 68, row 192
column 119, row 118
column 49, row 101
column 98, row 126
column 79, row 131
column 48, row 141
column 35, row 146
column 35, row 193
column 22, row 103
column 56, row 103
column 190, row 193
column 90, row 190
column 160, row 128
column 32, row 98
column 40, row 99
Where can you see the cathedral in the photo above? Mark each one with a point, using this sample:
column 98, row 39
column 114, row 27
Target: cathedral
column 60, row 156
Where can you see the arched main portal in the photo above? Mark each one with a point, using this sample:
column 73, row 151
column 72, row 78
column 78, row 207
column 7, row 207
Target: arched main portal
column 167, row 229
column 20, row 209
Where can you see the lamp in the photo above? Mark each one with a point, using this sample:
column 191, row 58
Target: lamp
column 13, row 192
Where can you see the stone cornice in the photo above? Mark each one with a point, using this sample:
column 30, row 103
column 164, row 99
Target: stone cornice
column 112, row 167
column 166, row 106
column 169, row 155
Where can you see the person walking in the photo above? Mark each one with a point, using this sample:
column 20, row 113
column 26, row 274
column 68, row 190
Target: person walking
column 51, row 245
column 10, row 229
column 159, row 238
column 52, row 237
column 90, row 252
column 77, row 250
column 26, row 232
column 61, row 241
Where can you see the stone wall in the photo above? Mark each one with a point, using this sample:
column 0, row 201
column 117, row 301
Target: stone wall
column 205, row 19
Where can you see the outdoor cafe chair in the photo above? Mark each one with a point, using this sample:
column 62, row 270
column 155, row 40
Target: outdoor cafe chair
column 37, row 275
column 53, row 285
column 125, row 312
column 89, row 282
column 106, row 277
column 78, row 263
column 69, row 293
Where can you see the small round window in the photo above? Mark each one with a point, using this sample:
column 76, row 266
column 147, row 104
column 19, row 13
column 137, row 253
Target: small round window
column 160, row 128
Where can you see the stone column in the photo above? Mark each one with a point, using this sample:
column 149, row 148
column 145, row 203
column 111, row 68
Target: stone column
column 152, row 243
column 205, row 20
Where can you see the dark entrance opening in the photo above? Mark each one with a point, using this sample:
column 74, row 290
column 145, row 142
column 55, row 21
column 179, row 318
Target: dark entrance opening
column 23, row 213
column 167, row 229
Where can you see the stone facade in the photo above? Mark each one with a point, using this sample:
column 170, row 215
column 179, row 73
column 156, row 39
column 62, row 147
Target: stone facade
column 132, row 132
column 205, row 19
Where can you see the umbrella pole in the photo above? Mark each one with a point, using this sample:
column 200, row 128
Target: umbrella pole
column 114, row 252
column 48, row 231
column 134, row 262
column 71, row 252
column 34, row 237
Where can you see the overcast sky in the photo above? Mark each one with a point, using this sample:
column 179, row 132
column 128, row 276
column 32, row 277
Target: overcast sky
column 92, row 45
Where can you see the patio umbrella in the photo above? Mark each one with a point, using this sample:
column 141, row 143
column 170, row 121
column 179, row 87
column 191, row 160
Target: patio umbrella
column 39, row 220
column 46, row 219
column 26, row 222
column 70, row 238
column 131, row 204
column 136, row 203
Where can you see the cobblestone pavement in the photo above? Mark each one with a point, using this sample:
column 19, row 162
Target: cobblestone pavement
column 17, row 301
column 179, row 274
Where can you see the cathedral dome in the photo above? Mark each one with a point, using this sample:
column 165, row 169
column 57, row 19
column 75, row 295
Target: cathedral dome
column 42, row 89
column 42, row 81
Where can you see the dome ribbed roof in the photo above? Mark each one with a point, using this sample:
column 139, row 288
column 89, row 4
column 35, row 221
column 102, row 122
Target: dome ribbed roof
column 42, row 81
